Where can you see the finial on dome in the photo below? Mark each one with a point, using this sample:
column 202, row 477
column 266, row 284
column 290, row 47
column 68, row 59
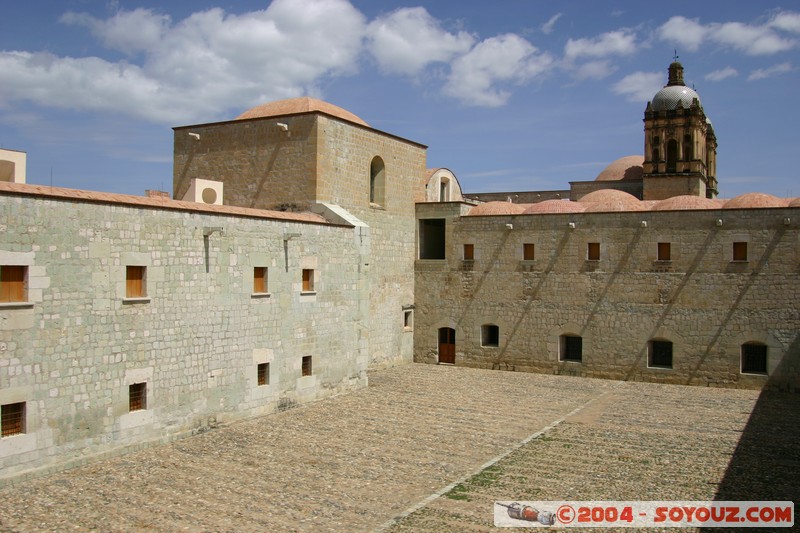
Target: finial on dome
column 675, row 72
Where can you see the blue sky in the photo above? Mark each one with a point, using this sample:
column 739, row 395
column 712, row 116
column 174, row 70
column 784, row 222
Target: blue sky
column 509, row 94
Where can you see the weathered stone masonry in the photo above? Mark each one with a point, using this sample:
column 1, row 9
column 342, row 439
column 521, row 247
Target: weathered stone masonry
column 72, row 351
column 701, row 300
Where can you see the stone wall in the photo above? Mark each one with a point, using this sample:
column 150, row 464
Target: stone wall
column 701, row 300
column 261, row 165
column 345, row 154
column 196, row 339
column 323, row 159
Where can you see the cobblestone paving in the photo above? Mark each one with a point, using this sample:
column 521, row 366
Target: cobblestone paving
column 354, row 462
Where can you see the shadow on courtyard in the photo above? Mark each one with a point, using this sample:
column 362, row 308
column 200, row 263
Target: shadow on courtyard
column 766, row 463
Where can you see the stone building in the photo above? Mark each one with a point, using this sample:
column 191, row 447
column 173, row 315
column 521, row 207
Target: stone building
column 300, row 246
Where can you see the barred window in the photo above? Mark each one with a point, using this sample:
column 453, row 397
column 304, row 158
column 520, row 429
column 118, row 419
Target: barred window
column 263, row 373
column 137, row 396
column 12, row 419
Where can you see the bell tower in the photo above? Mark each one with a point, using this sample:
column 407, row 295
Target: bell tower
column 680, row 146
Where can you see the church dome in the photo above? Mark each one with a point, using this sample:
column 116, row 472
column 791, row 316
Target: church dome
column 755, row 199
column 554, row 206
column 668, row 98
column 608, row 200
column 294, row 106
column 683, row 202
column 624, row 168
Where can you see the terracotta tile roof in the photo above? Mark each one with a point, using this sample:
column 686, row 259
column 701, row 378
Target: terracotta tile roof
column 294, row 106
column 755, row 199
column 161, row 203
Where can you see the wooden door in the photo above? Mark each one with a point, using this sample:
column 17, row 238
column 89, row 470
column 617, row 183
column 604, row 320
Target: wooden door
column 447, row 345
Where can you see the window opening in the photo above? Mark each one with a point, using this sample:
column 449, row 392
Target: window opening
column 664, row 251
column 408, row 319
column 135, row 282
column 12, row 419
column 571, row 348
column 260, row 279
column 308, row 280
column 490, row 335
column 12, row 283
column 137, row 396
column 432, row 238
column 660, row 354
column 740, row 251
column 754, row 358
column 593, row 251
column 672, row 155
column 377, row 181
column 263, row 373
column 306, row 365
column 528, row 252
column 469, row 252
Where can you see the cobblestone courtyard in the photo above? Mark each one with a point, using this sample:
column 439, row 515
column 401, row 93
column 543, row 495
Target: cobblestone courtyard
column 377, row 458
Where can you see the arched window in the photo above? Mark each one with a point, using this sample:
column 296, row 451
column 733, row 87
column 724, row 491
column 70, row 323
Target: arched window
column 444, row 190
column 754, row 358
column 672, row 155
column 688, row 150
column 656, row 152
column 377, row 181
column 490, row 335
column 659, row 353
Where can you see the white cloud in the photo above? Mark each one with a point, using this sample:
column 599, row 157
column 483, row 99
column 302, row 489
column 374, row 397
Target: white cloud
column 721, row 74
column 127, row 31
column 409, row 39
column 689, row 34
column 594, row 70
column 774, row 70
column 476, row 77
column 763, row 39
column 639, row 86
column 548, row 26
column 752, row 40
column 196, row 68
column 620, row 42
column 786, row 21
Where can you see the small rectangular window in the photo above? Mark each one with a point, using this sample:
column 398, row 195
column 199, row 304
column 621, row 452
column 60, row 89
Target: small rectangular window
column 13, row 283
column 754, row 358
column 490, row 335
column 571, row 348
column 137, row 396
column 469, row 252
column 263, row 373
column 260, row 280
column 308, row 280
column 408, row 319
column 528, row 252
column 593, row 251
column 306, row 365
column 664, row 251
column 135, row 282
column 740, row 251
column 660, row 354
column 12, row 419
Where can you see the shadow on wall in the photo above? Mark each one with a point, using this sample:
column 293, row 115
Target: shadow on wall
column 766, row 463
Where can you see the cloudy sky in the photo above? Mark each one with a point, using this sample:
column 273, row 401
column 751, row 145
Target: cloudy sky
column 509, row 94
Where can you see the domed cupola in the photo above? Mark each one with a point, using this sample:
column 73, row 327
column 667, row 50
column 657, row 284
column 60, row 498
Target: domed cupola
column 680, row 145
column 675, row 93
